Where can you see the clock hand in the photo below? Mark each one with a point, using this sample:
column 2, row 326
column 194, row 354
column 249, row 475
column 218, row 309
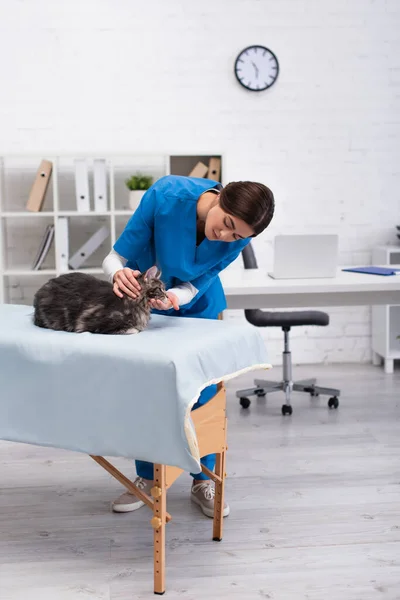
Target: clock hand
column 256, row 68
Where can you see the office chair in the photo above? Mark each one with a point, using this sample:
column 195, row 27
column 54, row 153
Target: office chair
column 285, row 320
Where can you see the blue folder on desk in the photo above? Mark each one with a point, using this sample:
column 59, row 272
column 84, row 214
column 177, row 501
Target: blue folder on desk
column 374, row 270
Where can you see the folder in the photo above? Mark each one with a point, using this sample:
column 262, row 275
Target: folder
column 214, row 169
column 89, row 247
column 39, row 187
column 63, row 244
column 82, row 185
column 200, row 170
column 100, row 185
column 385, row 271
column 44, row 247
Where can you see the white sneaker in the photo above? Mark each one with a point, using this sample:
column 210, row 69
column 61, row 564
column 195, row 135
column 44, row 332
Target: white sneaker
column 203, row 494
column 128, row 502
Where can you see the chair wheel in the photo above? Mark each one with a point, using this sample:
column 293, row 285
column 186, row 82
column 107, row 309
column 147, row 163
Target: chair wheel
column 286, row 409
column 260, row 393
column 333, row 402
column 245, row 402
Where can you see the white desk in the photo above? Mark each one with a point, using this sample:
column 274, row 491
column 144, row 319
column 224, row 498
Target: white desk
column 253, row 288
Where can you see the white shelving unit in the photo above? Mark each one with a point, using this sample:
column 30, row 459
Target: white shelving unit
column 21, row 231
column 386, row 319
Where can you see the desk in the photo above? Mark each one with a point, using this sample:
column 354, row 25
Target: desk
column 253, row 288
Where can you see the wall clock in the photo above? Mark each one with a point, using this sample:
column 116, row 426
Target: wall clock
column 256, row 68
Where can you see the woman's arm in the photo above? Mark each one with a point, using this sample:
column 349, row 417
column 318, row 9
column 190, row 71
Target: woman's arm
column 185, row 292
column 112, row 263
column 136, row 236
column 203, row 282
column 192, row 290
column 122, row 279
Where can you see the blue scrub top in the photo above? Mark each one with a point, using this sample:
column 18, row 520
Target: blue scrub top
column 162, row 231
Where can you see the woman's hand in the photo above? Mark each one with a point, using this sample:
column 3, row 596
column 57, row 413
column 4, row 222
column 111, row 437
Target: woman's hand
column 125, row 283
column 172, row 302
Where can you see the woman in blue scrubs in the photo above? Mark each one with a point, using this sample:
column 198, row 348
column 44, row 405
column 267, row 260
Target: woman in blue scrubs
column 191, row 229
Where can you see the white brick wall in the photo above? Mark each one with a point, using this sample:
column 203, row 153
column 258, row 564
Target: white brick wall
column 125, row 76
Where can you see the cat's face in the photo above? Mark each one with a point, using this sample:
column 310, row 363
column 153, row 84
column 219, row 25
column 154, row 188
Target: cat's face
column 152, row 286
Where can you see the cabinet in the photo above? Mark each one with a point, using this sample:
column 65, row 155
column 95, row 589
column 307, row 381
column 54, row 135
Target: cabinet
column 21, row 231
column 386, row 319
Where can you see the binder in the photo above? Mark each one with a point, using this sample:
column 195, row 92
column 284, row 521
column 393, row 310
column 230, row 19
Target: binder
column 100, row 185
column 44, row 247
column 39, row 187
column 63, row 244
column 385, row 271
column 200, row 170
column 89, row 247
column 82, row 185
column 214, row 169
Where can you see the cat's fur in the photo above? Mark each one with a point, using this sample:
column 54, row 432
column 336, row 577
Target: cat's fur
column 79, row 302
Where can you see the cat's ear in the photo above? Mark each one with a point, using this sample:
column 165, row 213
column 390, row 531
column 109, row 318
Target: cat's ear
column 152, row 273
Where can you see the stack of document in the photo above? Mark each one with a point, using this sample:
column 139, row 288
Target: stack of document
column 99, row 185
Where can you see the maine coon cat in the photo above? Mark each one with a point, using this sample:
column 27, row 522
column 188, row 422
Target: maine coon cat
column 79, row 302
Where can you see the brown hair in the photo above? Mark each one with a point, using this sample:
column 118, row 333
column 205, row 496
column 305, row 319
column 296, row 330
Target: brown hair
column 252, row 202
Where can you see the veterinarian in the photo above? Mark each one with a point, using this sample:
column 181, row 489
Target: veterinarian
column 191, row 229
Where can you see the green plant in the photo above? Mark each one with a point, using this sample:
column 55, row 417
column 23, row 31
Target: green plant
column 139, row 182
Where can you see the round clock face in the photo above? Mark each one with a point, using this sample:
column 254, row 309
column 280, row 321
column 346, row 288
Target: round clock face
column 256, row 68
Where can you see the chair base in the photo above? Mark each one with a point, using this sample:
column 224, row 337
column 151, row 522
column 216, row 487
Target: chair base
column 305, row 385
column 287, row 384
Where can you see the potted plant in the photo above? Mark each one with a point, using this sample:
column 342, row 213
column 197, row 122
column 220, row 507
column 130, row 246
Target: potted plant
column 137, row 185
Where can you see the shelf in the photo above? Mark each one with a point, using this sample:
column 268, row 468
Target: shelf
column 22, row 231
column 24, row 272
column 386, row 319
column 75, row 213
column 26, row 214
column 65, row 213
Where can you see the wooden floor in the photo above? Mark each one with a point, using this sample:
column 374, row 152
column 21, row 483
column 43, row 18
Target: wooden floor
column 315, row 509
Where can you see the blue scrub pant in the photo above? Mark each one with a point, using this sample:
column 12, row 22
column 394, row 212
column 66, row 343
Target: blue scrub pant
column 203, row 309
column 145, row 469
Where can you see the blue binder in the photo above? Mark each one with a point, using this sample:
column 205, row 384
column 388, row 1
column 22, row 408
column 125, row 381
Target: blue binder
column 374, row 270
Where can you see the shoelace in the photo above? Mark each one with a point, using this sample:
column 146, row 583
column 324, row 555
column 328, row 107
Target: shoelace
column 207, row 489
column 140, row 483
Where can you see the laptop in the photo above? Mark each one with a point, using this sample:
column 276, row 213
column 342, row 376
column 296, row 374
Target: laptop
column 305, row 256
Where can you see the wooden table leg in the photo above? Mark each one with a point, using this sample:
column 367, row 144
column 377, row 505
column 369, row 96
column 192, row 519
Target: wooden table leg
column 219, row 494
column 211, row 428
column 127, row 482
column 159, row 493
